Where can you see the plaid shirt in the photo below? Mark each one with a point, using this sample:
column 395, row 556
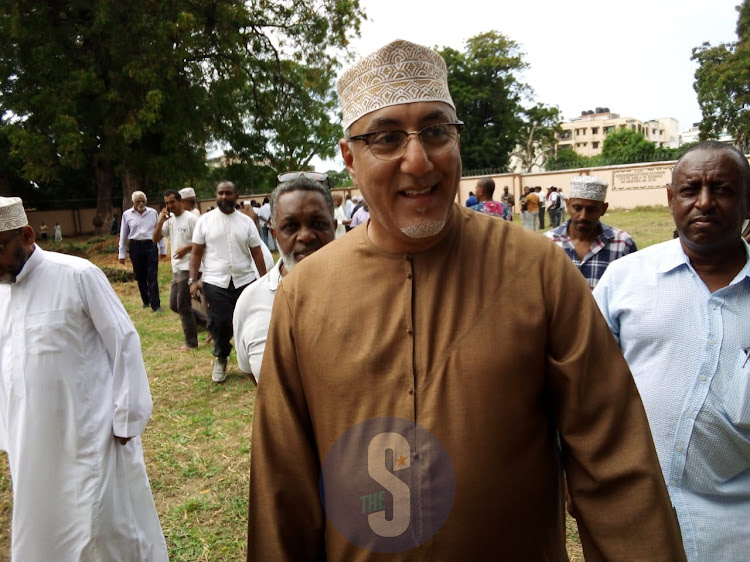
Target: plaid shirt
column 611, row 244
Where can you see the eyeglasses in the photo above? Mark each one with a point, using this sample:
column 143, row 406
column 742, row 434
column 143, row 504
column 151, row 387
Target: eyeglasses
column 391, row 145
column 9, row 238
column 315, row 176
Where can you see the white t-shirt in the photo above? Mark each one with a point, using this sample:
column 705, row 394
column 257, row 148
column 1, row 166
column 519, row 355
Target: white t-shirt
column 252, row 316
column 179, row 230
column 227, row 239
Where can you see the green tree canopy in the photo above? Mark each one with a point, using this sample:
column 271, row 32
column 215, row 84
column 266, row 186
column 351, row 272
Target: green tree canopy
column 487, row 91
column 537, row 136
column 134, row 91
column 722, row 83
column 626, row 146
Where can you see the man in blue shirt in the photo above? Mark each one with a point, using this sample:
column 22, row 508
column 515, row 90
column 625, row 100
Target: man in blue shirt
column 680, row 312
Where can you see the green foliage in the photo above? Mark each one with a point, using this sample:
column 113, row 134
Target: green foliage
column 487, row 91
column 567, row 159
column 722, row 83
column 132, row 92
column 626, row 147
column 339, row 178
column 537, row 136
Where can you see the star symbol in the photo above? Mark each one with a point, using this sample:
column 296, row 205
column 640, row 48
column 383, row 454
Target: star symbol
column 401, row 460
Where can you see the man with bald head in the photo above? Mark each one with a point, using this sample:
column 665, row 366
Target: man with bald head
column 228, row 245
column 680, row 312
column 136, row 230
column 442, row 433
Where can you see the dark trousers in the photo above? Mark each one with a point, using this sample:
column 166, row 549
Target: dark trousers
column 181, row 303
column 144, row 255
column 220, row 309
column 541, row 218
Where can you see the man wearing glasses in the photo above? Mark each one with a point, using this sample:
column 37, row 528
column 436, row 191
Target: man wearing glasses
column 442, row 433
column 302, row 223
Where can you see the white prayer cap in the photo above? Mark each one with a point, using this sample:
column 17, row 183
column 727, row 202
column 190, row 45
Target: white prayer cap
column 137, row 194
column 588, row 187
column 401, row 72
column 12, row 215
column 187, row 193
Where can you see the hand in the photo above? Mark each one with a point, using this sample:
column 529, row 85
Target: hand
column 122, row 261
column 163, row 257
column 122, row 440
column 194, row 289
column 179, row 252
column 164, row 215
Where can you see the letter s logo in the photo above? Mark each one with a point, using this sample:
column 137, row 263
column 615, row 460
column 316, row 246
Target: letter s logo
column 398, row 489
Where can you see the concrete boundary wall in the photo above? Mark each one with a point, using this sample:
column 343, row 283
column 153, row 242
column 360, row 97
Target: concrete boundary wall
column 630, row 185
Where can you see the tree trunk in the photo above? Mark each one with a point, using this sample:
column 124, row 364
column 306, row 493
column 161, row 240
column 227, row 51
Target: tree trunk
column 130, row 184
column 105, row 176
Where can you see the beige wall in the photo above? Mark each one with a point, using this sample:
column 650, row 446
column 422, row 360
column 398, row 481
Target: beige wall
column 630, row 185
column 72, row 221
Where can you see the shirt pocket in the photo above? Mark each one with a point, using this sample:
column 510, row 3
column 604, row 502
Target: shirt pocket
column 736, row 399
column 45, row 332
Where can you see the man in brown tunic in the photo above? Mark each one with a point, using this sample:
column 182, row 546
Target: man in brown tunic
column 441, row 432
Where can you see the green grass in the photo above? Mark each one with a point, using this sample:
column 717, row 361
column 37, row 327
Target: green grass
column 197, row 444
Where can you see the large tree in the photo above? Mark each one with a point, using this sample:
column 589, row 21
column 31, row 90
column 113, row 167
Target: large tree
column 135, row 90
column 487, row 91
column 722, row 83
column 537, row 136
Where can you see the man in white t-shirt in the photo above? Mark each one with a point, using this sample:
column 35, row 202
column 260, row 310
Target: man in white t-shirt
column 227, row 243
column 339, row 214
column 264, row 216
column 178, row 224
column 302, row 223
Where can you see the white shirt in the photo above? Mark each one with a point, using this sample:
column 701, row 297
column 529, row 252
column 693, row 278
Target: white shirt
column 348, row 207
column 138, row 226
column 179, row 230
column 71, row 376
column 264, row 214
column 252, row 316
column 227, row 239
column 340, row 216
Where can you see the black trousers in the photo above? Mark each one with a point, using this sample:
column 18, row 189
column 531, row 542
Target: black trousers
column 541, row 217
column 181, row 303
column 220, row 309
column 144, row 255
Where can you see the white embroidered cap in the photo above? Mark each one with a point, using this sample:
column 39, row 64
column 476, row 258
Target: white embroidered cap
column 401, row 72
column 588, row 187
column 12, row 215
column 187, row 193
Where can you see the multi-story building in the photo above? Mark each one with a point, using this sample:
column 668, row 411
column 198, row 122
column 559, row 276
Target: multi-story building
column 586, row 134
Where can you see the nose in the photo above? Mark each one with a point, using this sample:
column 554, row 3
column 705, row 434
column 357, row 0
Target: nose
column 305, row 234
column 415, row 160
column 704, row 200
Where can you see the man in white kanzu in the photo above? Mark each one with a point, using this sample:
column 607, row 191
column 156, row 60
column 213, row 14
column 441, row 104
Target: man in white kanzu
column 74, row 399
column 302, row 223
column 233, row 256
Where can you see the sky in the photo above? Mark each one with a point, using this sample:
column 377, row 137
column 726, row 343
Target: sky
column 632, row 57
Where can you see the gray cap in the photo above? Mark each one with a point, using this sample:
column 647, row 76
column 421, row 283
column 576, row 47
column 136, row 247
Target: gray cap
column 12, row 215
column 588, row 187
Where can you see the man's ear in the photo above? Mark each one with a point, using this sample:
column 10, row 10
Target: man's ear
column 348, row 156
column 28, row 236
column 669, row 198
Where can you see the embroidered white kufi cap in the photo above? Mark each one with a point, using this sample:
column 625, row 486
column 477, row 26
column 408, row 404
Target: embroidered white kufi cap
column 401, row 72
column 187, row 193
column 588, row 187
column 12, row 215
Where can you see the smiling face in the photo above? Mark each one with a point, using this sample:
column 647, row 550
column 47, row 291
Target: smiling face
column 411, row 198
column 709, row 199
column 173, row 205
column 303, row 224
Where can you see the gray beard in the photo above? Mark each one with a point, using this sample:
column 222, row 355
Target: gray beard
column 424, row 229
column 287, row 259
column 7, row 279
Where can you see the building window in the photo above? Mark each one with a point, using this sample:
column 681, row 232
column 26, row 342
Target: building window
column 594, row 130
column 609, row 129
column 623, row 127
column 594, row 145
